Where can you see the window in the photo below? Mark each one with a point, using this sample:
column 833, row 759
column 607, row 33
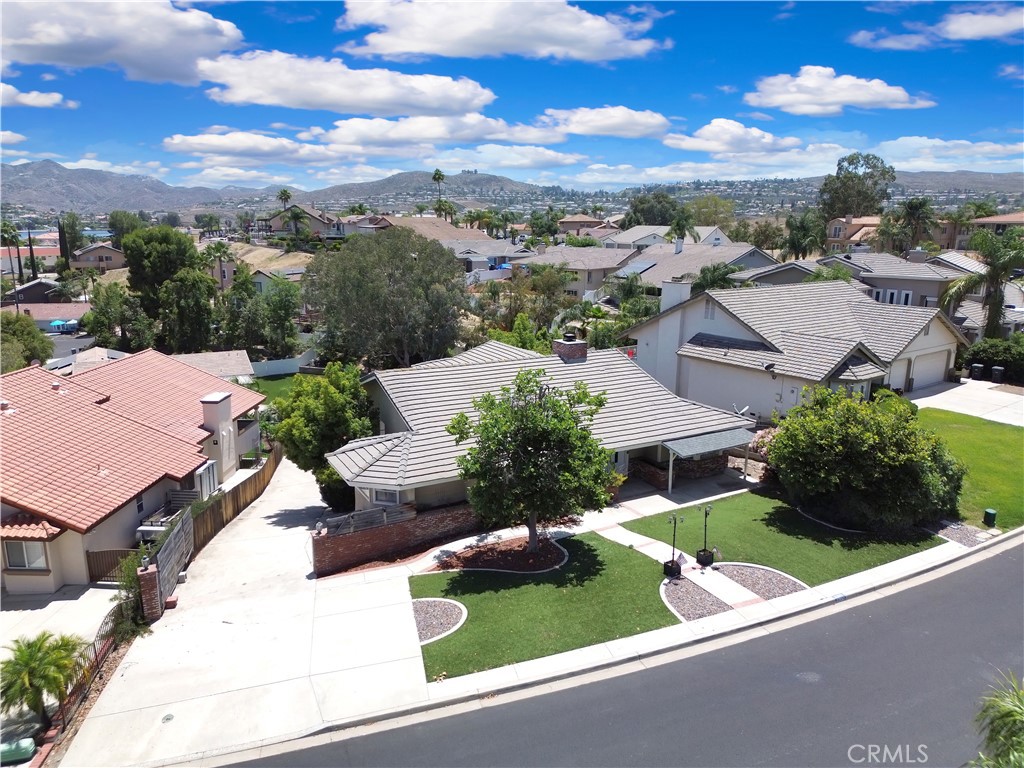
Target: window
column 837, row 232
column 572, row 293
column 223, row 274
column 906, row 298
column 385, row 497
column 140, row 506
column 878, row 294
column 709, row 309
column 890, row 297
column 25, row 555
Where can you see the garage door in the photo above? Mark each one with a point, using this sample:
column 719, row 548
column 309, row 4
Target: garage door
column 929, row 369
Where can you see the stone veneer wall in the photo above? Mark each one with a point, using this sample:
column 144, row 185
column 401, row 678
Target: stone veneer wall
column 682, row 469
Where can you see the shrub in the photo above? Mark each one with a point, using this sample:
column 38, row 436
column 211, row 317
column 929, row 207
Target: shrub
column 335, row 492
column 865, row 464
column 1008, row 353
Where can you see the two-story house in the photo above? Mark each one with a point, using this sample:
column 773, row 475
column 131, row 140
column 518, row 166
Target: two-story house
column 588, row 267
column 98, row 256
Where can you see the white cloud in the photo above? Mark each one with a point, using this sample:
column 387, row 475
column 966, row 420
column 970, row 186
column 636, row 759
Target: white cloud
column 539, row 29
column 240, row 148
column 47, row 77
column 274, row 78
column 427, row 129
column 622, row 122
column 755, row 115
column 727, row 88
column 1011, row 72
column 152, row 41
column 12, row 97
column 921, row 153
column 353, row 174
column 90, row 161
column 980, row 21
column 500, row 156
column 10, row 137
column 818, row 91
column 723, row 136
column 220, row 175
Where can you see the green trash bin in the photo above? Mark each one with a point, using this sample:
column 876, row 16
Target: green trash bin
column 990, row 518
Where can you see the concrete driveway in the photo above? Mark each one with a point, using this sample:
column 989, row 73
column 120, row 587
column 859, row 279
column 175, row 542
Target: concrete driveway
column 975, row 398
column 257, row 650
column 73, row 610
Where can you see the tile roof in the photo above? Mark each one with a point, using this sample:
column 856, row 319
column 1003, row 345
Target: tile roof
column 755, row 272
column 163, row 392
column 488, row 352
column 69, row 310
column 887, row 265
column 71, row 459
column 22, row 526
column 1017, row 217
column 593, row 257
column 580, row 218
column 228, row 364
column 958, row 261
column 669, row 265
column 434, row 228
column 971, row 315
column 486, row 247
column 639, row 412
column 631, row 235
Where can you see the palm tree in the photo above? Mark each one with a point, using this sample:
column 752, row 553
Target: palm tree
column 39, row 667
column 9, row 238
column 804, row 235
column 1001, row 720
column 684, row 224
column 714, row 276
column 445, row 209
column 284, row 195
column 437, row 178
column 218, row 252
column 296, row 216
column 1000, row 255
column 359, row 209
column 626, row 288
column 892, row 234
column 580, row 315
column 917, row 213
column 960, row 221
column 69, row 287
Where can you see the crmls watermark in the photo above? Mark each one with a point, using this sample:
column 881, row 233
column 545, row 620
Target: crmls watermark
column 887, row 754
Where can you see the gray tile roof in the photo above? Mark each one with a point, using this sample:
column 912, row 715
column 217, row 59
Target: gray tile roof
column 971, row 315
column 887, row 265
column 755, row 272
column 631, row 235
column 958, row 261
column 669, row 265
column 581, row 258
column 639, row 412
column 486, row 247
column 225, row 365
column 488, row 352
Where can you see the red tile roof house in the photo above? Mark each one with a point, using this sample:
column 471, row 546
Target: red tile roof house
column 87, row 457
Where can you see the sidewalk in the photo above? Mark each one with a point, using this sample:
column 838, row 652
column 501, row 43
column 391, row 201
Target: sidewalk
column 258, row 652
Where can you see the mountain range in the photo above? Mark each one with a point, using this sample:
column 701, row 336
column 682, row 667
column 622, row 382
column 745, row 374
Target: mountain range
column 49, row 186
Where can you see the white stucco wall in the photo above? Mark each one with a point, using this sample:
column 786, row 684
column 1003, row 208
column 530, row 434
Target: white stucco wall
column 723, row 386
column 656, row 345
column 722, row 324
column 939, row 339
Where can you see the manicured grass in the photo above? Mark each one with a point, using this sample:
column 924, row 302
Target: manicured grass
column 276, row 386
column 757, row 528
column 605, row 591
column 994, row 455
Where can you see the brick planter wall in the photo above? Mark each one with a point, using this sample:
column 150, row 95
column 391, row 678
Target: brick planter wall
column 149, row 586
column 334, row 553
column 682, row 469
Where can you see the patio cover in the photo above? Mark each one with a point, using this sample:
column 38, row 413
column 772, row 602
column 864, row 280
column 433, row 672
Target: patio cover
column 58, row 323
column 685, row 447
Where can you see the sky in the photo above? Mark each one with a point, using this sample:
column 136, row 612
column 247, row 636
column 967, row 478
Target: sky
column 583, row 95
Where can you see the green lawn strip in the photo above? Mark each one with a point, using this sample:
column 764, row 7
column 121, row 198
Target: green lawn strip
column 605, row 591
column 276, row 386
column 994, row 455
column 757, row 528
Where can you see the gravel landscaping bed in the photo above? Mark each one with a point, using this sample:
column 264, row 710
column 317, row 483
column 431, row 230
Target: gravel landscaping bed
column 960, row 533
column 435, row 617
column 691, row 601
column 762, row 582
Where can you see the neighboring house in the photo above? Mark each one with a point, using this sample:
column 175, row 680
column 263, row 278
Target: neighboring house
column 668, row 261
column 997, row 224
column 786, row 273
column 46, row 255
column 413, row 460
column 970, row 318
column 89, row 457
column 637, row 238
column 98, row 256
column 430, row 227
column 318, row 222
column 48, row 316
column 575, row 224
column 77, row 361
column 842, row 234
column 482, row 255
column 894, row 280
column 759, row 347
column 588, row 267
column 35, row 292
column 230, row 365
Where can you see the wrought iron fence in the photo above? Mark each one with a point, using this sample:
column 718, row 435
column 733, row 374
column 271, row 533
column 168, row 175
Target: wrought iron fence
column 88, row 665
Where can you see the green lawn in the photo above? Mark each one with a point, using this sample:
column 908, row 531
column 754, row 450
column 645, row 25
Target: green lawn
column 994, row 455
column 757, row 528
column 604, row 592
column 276, row 386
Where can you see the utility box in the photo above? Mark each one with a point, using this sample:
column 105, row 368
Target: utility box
column 976, row 371
column 997, row 374
column 990, row 518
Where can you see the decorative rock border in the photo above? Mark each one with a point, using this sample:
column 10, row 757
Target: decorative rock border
column 689, row 601
column 767, row 583
column 437, row 614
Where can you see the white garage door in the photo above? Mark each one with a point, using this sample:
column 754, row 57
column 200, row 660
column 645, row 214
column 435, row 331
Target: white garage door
column 898, row 374
column 929, row 369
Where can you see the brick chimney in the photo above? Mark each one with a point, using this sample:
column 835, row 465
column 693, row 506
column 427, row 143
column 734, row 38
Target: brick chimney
column 570, row 349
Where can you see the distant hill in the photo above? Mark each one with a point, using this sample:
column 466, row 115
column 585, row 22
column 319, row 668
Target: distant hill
column 938, row 181
column 419, row 183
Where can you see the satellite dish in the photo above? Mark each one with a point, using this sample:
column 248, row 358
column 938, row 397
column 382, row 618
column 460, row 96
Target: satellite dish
column 738, row 411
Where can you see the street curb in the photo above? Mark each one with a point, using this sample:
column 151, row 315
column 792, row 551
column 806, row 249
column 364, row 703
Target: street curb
column 508, row 688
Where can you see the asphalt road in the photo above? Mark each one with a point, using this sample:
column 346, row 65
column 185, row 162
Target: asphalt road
column 902, row 673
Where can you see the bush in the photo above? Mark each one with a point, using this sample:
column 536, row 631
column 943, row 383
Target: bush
column 335, row 492
column 865, row 465
column 1008, row 353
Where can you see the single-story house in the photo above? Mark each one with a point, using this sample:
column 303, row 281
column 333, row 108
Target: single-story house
column 576, row 223
column 230, row 365
column 47, row 256
column 39, row 291
column 77, row 361
column 638, row 238
column 88, row 458
column 413, row 459
column 318, row 222
column 669, row 261
column 758, row 348
column 588, row 266
column 47, row 316
column 486, row 254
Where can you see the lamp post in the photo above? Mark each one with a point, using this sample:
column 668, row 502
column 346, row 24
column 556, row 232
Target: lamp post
column 705, row 557
column 672, row 568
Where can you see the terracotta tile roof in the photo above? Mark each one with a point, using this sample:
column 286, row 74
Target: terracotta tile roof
column 22, row 526
column 72, row 310
column 70, row 459
column 1017, row 217
column 164, row 393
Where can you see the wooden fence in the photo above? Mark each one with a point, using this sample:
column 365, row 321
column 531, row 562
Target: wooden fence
column 104, row 563
column 222, row 508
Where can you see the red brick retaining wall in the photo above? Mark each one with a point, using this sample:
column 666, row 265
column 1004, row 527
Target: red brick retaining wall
column 334, row 553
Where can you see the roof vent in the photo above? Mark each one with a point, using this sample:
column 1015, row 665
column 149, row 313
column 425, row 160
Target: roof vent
column 55, row 386
column 568, row 336
column 847, row 257
column 716, row 242
column 5, row 405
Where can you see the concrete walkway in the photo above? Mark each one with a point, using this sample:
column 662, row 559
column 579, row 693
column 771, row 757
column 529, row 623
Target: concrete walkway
column 258, row 652
column 974, row 398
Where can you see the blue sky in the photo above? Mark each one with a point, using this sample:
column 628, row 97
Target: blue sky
column 586, row 95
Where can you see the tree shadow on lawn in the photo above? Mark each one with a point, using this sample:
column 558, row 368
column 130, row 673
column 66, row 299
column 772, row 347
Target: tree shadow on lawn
column 584, row 564
column 788, row 521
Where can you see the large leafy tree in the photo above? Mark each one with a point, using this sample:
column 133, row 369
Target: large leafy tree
column 121, row 224
column 545, row 223
column 186, row 310
column 656, row 209
column 835, row 272
column 321, row 414
column 712, row 210
column 534, row 459
column 39, row 668
column 105, row 317
column 393, row 299
column 154, row 256
column 243, row 313
column 865, row 464
column 524, row 334
column 73, row 231
column 282, row 301
column 767, row 235
column 1000, row 254
column 859, row 187
column 26, row 342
